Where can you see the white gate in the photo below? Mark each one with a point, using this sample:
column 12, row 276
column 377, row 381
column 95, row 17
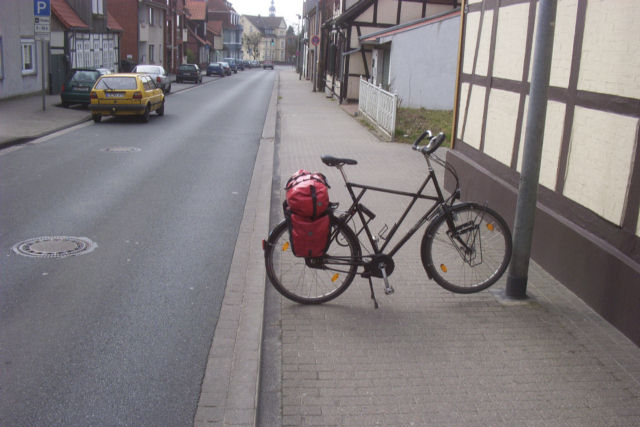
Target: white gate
column 379, row 106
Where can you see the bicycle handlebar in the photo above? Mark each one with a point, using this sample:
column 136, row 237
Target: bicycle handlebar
column 434, row 142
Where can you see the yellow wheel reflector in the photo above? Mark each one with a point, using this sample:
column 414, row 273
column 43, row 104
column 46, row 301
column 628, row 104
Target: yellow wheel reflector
column 335, row 277
column 443, row 267
column 285, row 246
column 490, row 227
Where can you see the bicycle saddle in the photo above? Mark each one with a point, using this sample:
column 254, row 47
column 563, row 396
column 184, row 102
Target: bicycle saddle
column 336, row 161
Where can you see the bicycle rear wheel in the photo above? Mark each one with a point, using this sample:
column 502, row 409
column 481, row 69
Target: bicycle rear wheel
column 473, row 254
column 312, row 280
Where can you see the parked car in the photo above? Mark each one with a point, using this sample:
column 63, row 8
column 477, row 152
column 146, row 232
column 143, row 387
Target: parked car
column 126, row 94
column 267, row 64
column 240, row 64
column 78, row 86
column 215, row 68
column 232, row 63
column 255, row 63
column 158, row 75
column 104, row 71
column 227, row 68
column 190, row 72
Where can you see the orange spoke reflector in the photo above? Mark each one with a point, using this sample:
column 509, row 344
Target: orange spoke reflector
column 443, row 267
column 490, row 227
column 335, row 277
column 285, row 246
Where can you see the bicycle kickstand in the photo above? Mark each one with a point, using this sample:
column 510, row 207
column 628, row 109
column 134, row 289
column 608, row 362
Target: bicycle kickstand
column 373, row 295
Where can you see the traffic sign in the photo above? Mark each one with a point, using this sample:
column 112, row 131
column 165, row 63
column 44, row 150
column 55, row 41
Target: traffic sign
column 42, row 19
column 42, row 8
column 42, row 27
column 315, row 40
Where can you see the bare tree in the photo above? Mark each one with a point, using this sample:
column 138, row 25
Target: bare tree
column 252, row 43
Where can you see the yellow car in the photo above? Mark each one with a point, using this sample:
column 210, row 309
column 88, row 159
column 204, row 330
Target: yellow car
column 125, row 95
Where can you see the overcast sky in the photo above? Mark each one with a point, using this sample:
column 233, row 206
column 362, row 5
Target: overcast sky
column 288, row 9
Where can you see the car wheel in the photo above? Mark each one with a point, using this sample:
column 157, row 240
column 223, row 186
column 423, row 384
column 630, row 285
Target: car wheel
column 145, row 115
column 65, row 104
column 168, row 89
column 96, row 118
column 160, row 111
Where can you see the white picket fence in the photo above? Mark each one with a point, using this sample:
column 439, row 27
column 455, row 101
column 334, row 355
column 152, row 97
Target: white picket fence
column 379, row 106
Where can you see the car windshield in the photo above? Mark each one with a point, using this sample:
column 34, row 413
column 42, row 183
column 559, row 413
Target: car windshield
column 117, row 83
column 85, row 76
column 148, row 69
column 187, row 68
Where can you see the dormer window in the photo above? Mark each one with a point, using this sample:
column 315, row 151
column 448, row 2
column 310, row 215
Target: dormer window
column 97, row 7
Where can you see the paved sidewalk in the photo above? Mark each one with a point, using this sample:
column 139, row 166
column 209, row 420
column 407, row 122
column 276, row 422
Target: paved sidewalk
column 22, row 119
column 428, row 357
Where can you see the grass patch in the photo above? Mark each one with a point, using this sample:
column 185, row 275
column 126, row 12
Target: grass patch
column 411, row 122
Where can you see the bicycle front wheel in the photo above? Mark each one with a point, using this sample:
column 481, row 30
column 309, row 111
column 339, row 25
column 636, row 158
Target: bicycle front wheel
column 466, row 249
column 312, row 280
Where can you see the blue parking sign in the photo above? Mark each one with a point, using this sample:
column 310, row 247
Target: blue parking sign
column 41, row 7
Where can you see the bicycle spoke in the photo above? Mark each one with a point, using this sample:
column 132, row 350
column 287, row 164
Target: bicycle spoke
column 471, row 256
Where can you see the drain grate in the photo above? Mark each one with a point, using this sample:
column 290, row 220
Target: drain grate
column 121, row 150
column 54, row 247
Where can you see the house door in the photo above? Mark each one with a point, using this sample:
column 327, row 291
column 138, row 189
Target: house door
column 57, row 73
column 385, row 69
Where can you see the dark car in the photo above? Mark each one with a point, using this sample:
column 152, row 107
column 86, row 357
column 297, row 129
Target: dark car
column 240, row 64
column 157, row 74
column 232, row 63
column 215, row 68
column 267, row 64
column 78, row 86
column 190, row 72
column 226, row 67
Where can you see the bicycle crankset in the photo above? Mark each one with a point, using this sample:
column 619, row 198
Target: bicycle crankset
column 379, row 262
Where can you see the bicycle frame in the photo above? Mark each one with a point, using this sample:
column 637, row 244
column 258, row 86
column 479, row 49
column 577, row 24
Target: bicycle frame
column 356, row 208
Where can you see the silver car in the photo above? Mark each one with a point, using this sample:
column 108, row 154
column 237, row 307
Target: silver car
column 158, row 75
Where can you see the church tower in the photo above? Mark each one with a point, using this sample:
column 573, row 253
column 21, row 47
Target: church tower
column 272, row 9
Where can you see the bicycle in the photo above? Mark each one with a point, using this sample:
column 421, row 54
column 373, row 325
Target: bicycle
column 466, row 246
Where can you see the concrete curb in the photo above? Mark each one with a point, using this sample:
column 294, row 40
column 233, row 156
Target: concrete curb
column 229, row 394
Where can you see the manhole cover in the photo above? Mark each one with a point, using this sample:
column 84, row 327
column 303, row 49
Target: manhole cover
column 121, row 150
column 54, row 247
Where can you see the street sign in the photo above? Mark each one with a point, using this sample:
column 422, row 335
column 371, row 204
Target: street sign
column 42, row 19
column 315, row 40
column 42, row 8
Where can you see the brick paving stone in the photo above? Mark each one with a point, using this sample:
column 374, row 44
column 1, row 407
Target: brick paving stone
column 426, row 356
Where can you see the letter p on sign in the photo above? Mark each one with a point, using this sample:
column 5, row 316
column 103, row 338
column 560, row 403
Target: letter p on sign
column 41, row 8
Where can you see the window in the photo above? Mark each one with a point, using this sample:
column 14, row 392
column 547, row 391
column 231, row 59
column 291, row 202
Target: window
column 151, row 53
column 28, row 47
column 151, row 20
column 97, row 7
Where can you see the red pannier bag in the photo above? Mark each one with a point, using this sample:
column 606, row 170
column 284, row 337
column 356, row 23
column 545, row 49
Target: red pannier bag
column 307, row 194
column 309, row 237
column 306, row 211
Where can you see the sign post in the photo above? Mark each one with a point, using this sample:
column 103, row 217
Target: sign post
column 42, row 32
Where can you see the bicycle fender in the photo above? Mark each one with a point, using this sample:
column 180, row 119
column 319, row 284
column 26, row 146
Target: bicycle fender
column 428, row 234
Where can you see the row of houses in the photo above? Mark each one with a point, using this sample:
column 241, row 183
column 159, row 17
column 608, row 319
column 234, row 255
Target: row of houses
column 117, row 34
column 475, row 58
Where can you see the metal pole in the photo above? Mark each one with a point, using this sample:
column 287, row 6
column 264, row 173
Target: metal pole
column 528, row 191
column 42, row 74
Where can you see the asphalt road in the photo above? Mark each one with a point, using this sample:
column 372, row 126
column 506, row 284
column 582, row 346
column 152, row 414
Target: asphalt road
column 119, row 336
